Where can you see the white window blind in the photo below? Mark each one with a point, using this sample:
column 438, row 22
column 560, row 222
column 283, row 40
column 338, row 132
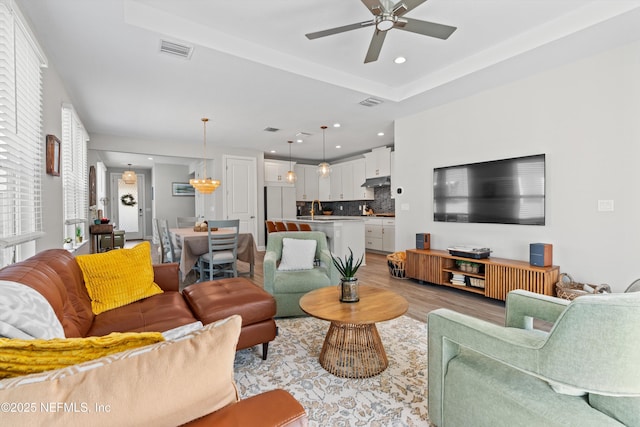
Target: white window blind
column 21, row 141
column 74, row 172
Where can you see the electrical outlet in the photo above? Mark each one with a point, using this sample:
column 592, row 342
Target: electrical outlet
column 340, row 207
column 605, row 205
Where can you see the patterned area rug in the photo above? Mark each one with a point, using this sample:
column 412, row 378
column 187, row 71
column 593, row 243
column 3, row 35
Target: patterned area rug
column 396, row 397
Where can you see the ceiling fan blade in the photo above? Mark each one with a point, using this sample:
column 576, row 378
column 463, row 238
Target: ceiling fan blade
column 337, row 30
column 375, row 46
column 377, row 7
column 425, row 28
column 404, row 6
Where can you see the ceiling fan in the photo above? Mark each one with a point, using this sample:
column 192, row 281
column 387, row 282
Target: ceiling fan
column 386, row 16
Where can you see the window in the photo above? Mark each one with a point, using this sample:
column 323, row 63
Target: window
column 74, row 174
column 21, row 141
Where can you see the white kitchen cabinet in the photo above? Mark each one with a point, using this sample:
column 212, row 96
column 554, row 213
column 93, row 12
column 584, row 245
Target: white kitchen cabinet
column 324, row 188
column 307, row 183
column 275, row 173
column 378, row 162
column 359, row 176
column 335, row 192
column 380, row 234
column 388, row 235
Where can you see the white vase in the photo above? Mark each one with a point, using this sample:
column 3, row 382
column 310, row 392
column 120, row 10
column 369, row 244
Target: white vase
column 68, row 246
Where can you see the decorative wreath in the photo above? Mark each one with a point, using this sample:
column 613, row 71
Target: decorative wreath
column 128, row 200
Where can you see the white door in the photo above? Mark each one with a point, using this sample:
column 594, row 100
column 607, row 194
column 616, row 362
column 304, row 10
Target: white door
column 127, row 206
column 241, row 200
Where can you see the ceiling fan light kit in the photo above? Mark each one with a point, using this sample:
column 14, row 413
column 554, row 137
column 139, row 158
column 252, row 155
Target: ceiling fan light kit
column 204, row 185
column 386, row 17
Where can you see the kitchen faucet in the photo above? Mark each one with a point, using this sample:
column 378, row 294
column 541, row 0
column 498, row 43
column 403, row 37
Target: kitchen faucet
column 319, row 207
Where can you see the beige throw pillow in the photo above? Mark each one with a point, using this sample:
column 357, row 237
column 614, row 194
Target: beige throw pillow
column 165, row 384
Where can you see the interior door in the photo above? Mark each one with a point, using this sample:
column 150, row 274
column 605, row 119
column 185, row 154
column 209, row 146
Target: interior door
column 127, row 207
column 241, row 201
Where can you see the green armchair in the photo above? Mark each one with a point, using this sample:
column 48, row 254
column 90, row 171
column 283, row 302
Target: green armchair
column 584, row 372
column 288, row 286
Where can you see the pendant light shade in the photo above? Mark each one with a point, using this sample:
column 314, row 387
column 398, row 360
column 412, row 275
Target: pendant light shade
column 291, row 175
column 324, row 168
column 204, row 185
column 129, row 176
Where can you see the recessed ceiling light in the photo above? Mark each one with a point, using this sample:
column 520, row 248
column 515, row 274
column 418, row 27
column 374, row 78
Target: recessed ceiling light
column 400, row 60
column 272, row 151
column 149, row 158
column 338, row 146
column 380, row 133
column 299, row 141
column 336, row 125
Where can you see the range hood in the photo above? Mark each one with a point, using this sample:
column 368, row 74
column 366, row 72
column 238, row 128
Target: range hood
column 380, row 181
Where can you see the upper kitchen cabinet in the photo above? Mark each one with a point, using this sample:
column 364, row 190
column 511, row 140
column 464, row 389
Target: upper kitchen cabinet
column 378, row 162
column 307, row 183
column 359, row 176
column 275, row 173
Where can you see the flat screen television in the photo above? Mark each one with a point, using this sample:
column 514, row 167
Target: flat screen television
column 507, row 191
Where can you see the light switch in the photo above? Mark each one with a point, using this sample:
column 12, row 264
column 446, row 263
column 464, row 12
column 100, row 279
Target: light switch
column 605, row 205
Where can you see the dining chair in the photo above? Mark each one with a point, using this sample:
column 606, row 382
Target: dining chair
column 280, row 226
column 304, row 227
column 271, row 226
column 222, row 258
column 292, row 226
column 169, row 253
column 186, row 221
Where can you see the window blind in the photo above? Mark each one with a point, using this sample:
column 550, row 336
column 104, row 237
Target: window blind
column 21, row 142
column 74, row 172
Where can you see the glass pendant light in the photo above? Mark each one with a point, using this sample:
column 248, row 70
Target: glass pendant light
column 204, row 185
column 291, row 175
column 324, row 168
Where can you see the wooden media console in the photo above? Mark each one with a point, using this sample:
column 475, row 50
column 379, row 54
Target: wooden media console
column 496, row 277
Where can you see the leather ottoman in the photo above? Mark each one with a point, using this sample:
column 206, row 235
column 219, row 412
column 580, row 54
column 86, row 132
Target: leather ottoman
column 217, row 299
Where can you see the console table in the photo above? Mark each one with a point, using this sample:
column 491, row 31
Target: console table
column 98, row 230
column 500, row 275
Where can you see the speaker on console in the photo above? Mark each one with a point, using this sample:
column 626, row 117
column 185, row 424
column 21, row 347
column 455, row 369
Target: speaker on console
column 540, row 254
column 423, row 241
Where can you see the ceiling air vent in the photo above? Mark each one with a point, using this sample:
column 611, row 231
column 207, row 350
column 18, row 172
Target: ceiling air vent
column 371, row 102
column 270, row 129
column 176, row 49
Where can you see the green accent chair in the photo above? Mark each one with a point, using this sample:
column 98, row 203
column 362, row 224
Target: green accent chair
column 482, row 374
column 288, row 287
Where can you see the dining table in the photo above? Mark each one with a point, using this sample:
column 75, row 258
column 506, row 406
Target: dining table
column 195, row 243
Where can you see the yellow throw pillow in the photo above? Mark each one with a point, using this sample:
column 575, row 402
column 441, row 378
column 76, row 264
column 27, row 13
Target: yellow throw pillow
column 118, row 277
column 23, row 357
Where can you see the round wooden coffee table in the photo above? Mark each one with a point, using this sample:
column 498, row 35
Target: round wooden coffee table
column 352, row 347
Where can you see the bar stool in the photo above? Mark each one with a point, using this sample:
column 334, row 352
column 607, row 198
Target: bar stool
column 292, row 226
column 304, row 227
column 271, row 226
column 280, row 226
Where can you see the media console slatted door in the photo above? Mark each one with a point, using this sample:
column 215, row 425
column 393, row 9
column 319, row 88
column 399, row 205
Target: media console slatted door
column 500, row 275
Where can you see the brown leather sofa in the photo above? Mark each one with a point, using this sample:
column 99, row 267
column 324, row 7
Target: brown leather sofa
column 57, row 276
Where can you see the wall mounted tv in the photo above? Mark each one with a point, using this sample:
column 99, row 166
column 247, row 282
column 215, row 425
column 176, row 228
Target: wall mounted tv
column 507, row 191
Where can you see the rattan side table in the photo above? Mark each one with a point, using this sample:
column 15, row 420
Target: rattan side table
column 352, row 347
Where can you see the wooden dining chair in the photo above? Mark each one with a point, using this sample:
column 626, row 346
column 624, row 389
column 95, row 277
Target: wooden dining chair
column 304, row 227
column 271, row 226
column 280, row 226
column 222, row 258
column 292, row 226
column 186, row 221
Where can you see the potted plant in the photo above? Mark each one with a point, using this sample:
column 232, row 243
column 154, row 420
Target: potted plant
column 348, row 282
column 67, row 243
column 78, row 235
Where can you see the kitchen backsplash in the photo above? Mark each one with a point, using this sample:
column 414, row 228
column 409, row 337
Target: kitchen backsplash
column 382, row 203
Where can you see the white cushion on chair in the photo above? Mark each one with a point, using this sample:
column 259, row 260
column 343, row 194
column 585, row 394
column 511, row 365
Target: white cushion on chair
column 297, row 254
column 219, row 256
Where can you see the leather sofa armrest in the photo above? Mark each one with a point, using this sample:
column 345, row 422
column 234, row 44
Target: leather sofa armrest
column 272, row 408
column 166, row 276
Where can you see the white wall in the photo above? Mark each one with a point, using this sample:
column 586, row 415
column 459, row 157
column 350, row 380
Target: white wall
column 585, row 117
column 166, row 205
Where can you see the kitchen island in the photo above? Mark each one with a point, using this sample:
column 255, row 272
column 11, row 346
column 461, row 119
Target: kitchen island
column 343, row 232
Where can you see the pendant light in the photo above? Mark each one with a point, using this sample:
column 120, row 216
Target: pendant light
column 204, row 185
column 291, row 175
column 324, row 168
column 129, row 176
